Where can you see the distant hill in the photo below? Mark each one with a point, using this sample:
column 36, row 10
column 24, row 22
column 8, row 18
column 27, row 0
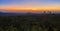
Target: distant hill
column 21, row 14
column 11, row 14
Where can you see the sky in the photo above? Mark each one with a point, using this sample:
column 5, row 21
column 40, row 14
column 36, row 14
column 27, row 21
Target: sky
column 37, row 5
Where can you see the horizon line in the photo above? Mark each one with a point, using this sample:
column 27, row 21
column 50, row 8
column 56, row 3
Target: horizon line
column 30, row 10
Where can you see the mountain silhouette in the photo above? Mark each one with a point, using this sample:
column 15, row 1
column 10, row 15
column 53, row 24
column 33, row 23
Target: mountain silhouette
column 11, row 14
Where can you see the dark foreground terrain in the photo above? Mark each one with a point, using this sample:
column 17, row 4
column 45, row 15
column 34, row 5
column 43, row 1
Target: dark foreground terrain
column 30, row 22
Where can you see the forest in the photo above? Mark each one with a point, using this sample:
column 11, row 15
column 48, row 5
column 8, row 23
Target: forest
column 34, row 22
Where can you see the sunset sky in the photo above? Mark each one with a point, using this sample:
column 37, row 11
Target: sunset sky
column 28, row 5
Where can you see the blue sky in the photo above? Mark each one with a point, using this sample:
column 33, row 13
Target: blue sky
column 24, row 1
column 30, row 3
column 7, row 2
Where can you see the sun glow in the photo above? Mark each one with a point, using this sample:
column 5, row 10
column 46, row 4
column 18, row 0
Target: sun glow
column 31, row 9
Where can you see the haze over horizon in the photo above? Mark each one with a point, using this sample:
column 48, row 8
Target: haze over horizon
column 29, row 5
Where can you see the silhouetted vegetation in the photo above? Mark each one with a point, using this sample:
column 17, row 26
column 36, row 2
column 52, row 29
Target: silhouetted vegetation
column 31, row 22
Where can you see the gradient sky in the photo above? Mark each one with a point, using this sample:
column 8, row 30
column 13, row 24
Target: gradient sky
column 30, row 5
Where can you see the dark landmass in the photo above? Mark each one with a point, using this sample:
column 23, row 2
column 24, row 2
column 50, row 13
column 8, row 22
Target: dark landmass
column 29, row 22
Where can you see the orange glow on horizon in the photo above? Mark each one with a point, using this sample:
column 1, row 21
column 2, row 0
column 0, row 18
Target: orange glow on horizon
column 32, row 9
